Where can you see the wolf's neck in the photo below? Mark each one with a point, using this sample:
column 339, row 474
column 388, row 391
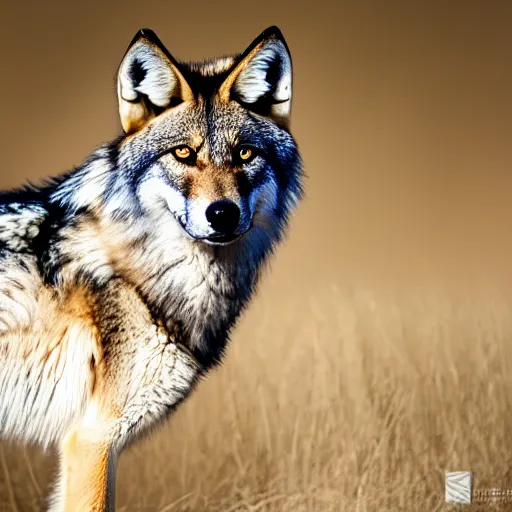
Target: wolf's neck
column 204, row 290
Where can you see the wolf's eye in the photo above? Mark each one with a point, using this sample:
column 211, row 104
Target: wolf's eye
column 184, row 154
column 245, row 154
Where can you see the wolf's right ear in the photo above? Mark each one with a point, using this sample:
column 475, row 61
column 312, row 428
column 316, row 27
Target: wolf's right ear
column 148, row 81
column 262, row 78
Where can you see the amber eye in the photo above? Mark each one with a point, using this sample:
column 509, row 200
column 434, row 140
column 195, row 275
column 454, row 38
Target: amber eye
column 183, row 153
column 245, row 154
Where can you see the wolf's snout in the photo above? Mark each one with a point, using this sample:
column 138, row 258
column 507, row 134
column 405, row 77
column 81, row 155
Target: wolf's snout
column 223, row 216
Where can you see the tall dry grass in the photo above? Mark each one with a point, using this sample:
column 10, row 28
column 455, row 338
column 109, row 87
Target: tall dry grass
column 349, row 399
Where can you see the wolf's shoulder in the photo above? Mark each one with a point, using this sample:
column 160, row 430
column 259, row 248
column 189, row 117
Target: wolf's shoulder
column 20, row 221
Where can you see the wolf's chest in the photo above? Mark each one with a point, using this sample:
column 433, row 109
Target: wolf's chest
column 205, row 296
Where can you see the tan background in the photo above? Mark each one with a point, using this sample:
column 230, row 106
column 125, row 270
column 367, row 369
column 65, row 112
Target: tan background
column 403, row 113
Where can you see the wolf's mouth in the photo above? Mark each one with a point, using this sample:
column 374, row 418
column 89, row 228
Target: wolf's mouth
column 217, row 238
column 222, row 239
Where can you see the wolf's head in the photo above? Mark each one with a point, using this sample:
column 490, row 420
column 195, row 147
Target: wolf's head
column 209, row 142
column 207, row 161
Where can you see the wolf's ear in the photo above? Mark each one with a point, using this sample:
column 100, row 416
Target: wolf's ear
column 148, row 81
column 262, row 78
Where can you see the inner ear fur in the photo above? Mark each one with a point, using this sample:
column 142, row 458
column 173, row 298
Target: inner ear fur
column 262, row 77
column 148, row 81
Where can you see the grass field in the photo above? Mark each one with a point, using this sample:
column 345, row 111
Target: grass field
column 347, row 400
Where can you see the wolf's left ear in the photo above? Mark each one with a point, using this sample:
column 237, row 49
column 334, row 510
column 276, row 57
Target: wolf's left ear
column 148, row 81
column 262, row 78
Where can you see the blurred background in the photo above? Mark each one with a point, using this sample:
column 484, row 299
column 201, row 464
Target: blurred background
column 377, row 353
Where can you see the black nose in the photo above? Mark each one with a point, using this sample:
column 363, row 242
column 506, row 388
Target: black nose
column 223, row 216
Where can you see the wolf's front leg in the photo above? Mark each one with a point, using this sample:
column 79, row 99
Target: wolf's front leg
column 90, row 451
column 143, row 374
column 87, row 468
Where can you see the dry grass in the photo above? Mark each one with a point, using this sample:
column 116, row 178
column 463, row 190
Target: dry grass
column 348, row 400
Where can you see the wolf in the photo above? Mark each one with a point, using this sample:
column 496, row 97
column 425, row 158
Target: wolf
column 121, row 280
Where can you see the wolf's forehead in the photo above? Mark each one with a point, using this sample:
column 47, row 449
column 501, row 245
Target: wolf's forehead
column 212, row 67
column 210, row 121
